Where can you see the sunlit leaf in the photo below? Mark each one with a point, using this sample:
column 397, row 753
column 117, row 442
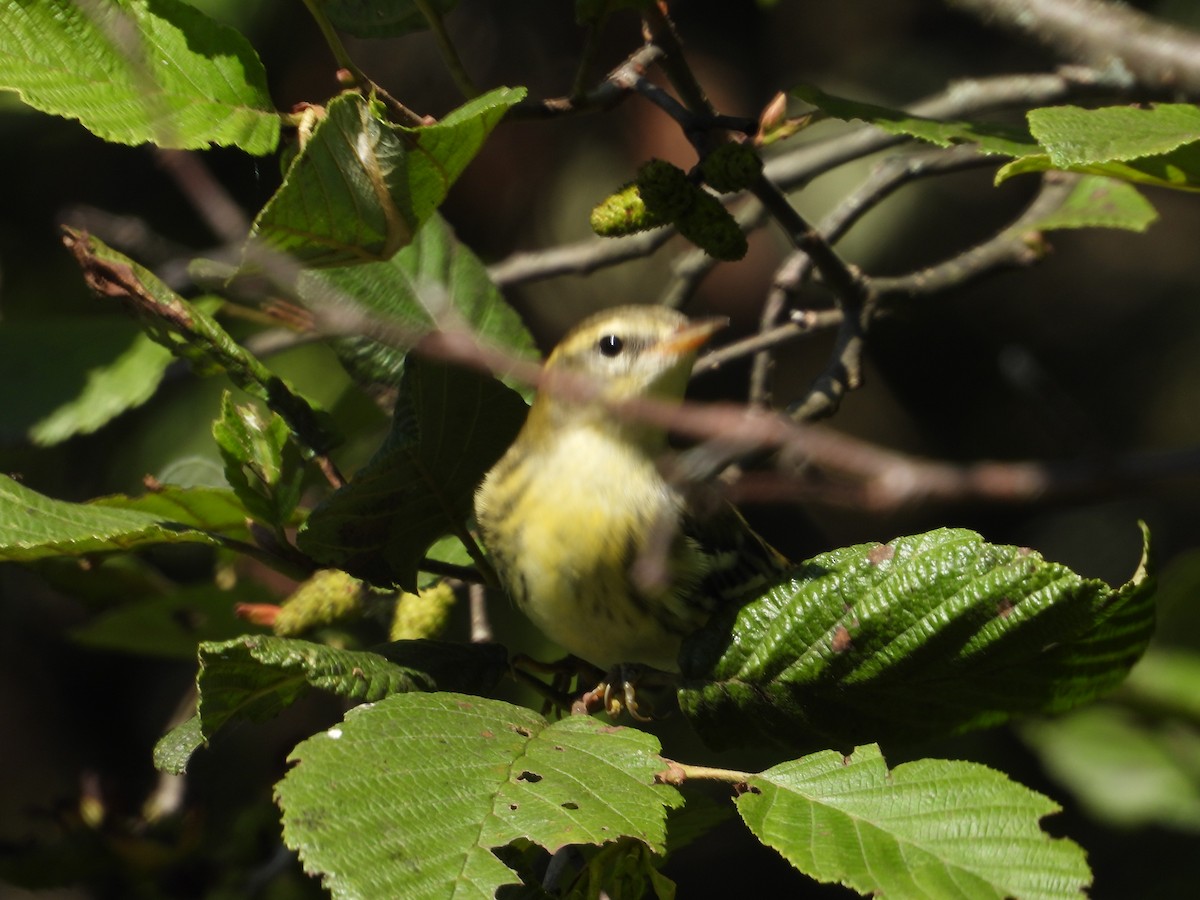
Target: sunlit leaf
column 408, row 798
column 136, row 71
column 920, row 637
column 931, row 828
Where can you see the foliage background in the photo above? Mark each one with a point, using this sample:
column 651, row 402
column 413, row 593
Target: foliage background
column 1092, row 352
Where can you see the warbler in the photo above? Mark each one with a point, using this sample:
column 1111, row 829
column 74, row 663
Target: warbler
column 579, row 499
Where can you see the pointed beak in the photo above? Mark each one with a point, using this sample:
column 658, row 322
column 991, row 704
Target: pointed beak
column 692, row 336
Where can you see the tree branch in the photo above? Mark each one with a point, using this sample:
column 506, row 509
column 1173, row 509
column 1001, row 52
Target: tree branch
column 789, row 171
column 1128, row 46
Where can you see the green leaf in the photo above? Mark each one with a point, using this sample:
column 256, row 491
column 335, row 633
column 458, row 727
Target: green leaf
column 380, row 18
column 991, row 137
column 1091, row 142
column 261, row 463
column 1099, row 202
column 175, row 748
column 408, row 798
column 101, row 367
column 361, row 187
column 1126, row 771
column 1073, row 136
column 215, row 510
column 1177, row 170
column 171, row 626
column 927, row 635
column 192, row 334
column 1157, row 146
column 432, row 279
column 449, row 428
column 930, row 828
column 625, row 869
column 33, row 526
column 256, row 677
column 1166, row 681
column 133, row 71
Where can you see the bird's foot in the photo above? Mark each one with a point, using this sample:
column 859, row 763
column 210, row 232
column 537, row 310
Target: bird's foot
column 618, row 690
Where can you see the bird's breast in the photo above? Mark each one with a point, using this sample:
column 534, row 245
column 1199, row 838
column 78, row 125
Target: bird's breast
column 565, row 526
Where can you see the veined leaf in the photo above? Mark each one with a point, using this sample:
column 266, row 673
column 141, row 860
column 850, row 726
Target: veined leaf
column 380, row 18
column 192, row 334
column 360, row 187
column 133, row 71
column 1157, row 146
column 1073, row 136
column 898, row 642
column 408, row 798
column 1103, row 143
column 255, row 677
column 930, row 829
column 450, row 427
column 34, row 526
column 435, row 279
column 991, row 137
column 215, row 510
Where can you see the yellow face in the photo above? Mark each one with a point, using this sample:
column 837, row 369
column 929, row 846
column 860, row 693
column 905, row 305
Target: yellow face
column 635, row 351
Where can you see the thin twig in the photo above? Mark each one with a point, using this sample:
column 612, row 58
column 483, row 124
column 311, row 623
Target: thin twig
column 660, row 30
column 884, row 180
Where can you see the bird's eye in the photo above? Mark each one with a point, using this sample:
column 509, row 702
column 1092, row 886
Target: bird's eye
column 611, row 345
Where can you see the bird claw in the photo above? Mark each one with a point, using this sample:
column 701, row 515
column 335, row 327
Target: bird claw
column 616, row 691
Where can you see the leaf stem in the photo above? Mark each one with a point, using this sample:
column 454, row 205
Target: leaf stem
column 446, row 47
column 677, row 773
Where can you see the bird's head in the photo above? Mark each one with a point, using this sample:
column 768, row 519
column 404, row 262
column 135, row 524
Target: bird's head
column 631, row 352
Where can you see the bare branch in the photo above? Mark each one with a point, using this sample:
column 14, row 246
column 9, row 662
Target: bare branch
column 615, row 87
column 1128, row 46
column 1017, row 245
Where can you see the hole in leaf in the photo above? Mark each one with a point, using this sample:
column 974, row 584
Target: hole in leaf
column 531, row 777
column 513, row 807
column 570, row 805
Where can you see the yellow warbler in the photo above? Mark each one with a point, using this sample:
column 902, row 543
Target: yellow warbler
column 579, row 499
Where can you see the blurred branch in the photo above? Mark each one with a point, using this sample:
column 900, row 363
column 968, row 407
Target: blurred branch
column 1125, row 44
column 835, row 469
column 579, row 258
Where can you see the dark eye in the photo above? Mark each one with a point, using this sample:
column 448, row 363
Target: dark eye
column 611, row 345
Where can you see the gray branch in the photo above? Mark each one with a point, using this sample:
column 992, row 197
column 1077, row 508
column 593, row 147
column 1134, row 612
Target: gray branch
column 1127, row 46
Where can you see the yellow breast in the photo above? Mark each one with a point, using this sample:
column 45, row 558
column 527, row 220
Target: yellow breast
column 565, row 525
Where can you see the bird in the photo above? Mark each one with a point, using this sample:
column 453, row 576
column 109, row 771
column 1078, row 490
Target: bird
column 579, row 501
